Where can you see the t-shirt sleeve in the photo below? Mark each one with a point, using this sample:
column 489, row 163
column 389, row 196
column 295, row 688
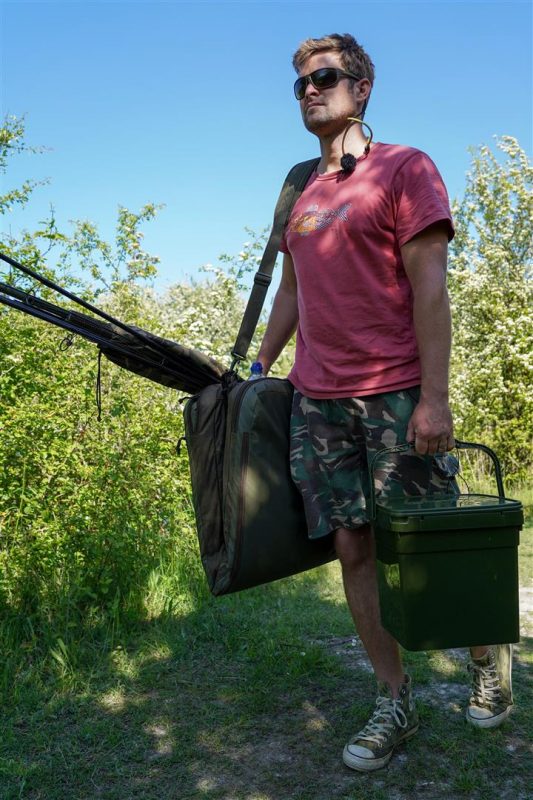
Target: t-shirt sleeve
column 420, row 198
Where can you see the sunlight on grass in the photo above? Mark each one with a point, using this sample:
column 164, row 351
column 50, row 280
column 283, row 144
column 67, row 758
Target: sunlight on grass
column 163, row 744
column 169, row 591
column 157, row 652
column 208, row 786
column 324, row 581
column 124, row 665
column 114, row 700
column 316, row 721
column 447, row 663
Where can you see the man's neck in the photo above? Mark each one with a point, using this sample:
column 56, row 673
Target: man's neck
column 332, row 151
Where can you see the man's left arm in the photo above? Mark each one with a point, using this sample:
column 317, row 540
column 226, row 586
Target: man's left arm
column 424, row 257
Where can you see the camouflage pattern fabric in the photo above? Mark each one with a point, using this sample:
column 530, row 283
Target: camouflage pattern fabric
column 332, row 442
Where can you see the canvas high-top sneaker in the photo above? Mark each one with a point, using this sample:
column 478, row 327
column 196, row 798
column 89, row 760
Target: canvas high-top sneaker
column 393, row 721
column 492, row 689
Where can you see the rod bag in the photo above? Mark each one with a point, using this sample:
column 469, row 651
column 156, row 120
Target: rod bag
column 132, row 348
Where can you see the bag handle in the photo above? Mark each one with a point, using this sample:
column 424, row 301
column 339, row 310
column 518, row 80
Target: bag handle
column 291, row 190
column 459, row 445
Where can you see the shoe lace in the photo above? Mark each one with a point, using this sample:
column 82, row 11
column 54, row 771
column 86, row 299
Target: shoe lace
column 486, row 683
column 387, row 715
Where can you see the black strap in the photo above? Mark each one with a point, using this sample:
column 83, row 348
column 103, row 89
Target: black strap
column 292, row 188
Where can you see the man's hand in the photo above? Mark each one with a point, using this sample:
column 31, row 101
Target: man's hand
column 431, row 427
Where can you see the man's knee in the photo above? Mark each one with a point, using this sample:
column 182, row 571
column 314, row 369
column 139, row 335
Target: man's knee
column 355, row 548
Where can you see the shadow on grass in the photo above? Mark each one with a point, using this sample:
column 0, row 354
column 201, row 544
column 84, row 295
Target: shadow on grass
column 245, row 699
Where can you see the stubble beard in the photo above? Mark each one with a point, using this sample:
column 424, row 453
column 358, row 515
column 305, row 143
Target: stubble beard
column 317, row 122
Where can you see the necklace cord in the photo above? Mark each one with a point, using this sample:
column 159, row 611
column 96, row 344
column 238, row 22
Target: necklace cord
column 348, row 160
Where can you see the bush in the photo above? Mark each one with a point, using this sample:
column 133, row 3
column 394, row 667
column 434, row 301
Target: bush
column 491, row 292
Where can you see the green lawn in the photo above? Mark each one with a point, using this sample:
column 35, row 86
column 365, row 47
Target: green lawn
column 251, row 697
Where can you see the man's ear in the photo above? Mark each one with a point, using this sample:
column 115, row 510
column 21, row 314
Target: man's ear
column 363, row 89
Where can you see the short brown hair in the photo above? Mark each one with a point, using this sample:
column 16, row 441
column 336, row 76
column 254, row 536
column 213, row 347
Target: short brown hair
column 353, row 57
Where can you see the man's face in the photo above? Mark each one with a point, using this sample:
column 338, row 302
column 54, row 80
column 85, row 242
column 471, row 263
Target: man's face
column 324, row 111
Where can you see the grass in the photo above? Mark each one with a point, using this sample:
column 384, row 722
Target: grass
column 247, row 697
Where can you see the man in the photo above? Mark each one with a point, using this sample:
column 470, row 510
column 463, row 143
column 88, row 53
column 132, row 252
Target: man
column 364, row 285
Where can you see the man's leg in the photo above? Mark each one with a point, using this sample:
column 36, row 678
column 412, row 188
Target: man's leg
column 394, row 718
column 328, row 464
column 356, row 552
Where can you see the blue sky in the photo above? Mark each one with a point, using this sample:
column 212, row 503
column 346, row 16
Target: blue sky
column 191, row 104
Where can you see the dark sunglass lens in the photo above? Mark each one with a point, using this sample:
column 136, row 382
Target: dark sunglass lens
column 324, row 78
column 321, row 79
column 299, row 88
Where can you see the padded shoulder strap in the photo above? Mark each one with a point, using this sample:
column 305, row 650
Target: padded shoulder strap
column 292, row 188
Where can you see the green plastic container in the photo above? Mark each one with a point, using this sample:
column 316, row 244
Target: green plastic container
column 448, row 567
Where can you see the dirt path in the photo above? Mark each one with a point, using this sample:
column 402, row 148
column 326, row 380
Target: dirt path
column 295, row 753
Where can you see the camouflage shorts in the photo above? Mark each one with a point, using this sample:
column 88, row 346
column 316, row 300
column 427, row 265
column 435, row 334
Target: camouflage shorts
column 332, row 442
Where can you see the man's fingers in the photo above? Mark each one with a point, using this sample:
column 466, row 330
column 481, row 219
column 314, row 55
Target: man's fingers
column 431, row 428
column 421, row 444
column 429, row 446
column 446, row 443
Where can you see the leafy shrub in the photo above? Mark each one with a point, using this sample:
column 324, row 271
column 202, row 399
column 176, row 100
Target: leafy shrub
column 491, row 291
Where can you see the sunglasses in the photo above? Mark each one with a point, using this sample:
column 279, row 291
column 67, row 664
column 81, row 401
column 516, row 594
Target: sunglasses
column 323, row 78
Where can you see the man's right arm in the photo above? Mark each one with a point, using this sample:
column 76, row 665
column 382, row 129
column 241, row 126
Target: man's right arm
column 283, row 317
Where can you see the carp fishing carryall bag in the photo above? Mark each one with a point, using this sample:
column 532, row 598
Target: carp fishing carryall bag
column 249, row 515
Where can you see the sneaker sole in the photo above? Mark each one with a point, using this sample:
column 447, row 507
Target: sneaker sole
column 488, row 722
column 370, row 764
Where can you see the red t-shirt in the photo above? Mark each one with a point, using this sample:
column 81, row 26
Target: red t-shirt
column 356, row 334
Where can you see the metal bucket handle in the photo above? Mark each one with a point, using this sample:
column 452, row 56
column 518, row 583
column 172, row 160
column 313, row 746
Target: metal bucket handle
column 459, row 445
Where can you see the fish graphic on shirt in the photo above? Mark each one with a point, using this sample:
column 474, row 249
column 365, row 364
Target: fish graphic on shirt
column 314, row 220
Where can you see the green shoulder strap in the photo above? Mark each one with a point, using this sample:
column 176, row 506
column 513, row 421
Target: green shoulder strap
column 291, row 190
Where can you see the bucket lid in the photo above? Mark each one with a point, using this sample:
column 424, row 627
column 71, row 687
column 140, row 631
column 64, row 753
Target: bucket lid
column 443, row 511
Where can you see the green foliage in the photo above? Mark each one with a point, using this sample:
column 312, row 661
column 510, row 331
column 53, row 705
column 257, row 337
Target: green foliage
column 86, row 508
column 95, row 516
column 126, row 262
column 11, row 143
column 491, row 291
